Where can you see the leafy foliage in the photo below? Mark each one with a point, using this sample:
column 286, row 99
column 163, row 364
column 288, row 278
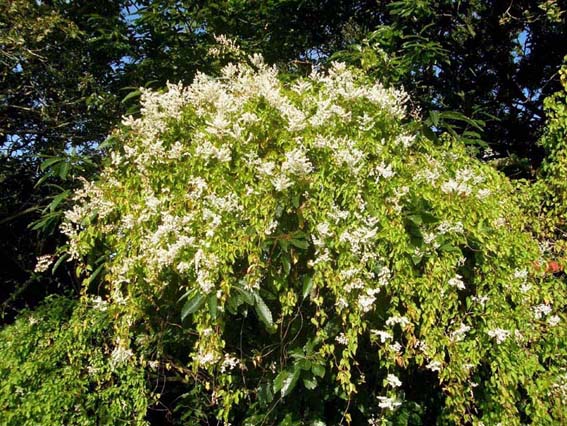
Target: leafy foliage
column 55, row 368
column 549, row 193
column 493, row 62
column 302, row 254
column 60, row 75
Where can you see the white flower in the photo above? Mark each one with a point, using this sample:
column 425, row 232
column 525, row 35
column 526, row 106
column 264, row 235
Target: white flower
column 266, row 168
column 521, row 274
column 499, row 222
column 366, row 302
column 405, row 140
column 323, row 229
column 541, row 310
column 183, row 267
column 352, row 157
column 429, row 237
column 434, row 366
column 457, row 281
column 452, row 185
column 120, row 355
column 229, row 363
column 429, row 175
column 358, row 237
column 393, row 381
column 249, row 118
column 402, row 320
column 499, row 334
column 206, row 358
column 396, row 347
column 445, row 227
column 481, row 300
column 281, row 182
column 43, row 263
column 420, row 345
column 384, row 171
column 152, row 202
column 458, row 334
column 271, row 227
column 301, row 86
column 553, row 320
column 100, row 304
column 365, row 122
column 383, row 335
column 341, row 303
column 342, row 339
column 388, row 403
column 297, row 163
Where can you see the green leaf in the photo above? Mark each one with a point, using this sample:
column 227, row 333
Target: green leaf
column 310, row 383
column 434, row 118
column 284, row 245
column 307, row 286
column 265, row 394
column 286, row 264
column 64, row 170
column 263, row 311
column 247, row 296
column 279, row 380
column 133, row 94
column 61, row 259
column 290, row 381
column 58, row 199
column 295, row 200
column 212, row 303
column 93, row 276
column 301, row 244
column 192, row 305
column 49, row 162
column 416, row 218
column 318, row 370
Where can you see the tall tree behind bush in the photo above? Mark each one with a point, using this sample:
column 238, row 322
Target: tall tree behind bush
column 491, row 61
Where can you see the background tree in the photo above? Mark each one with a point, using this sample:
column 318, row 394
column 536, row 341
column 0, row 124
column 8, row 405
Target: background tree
column 61, row 70
column 490, row 61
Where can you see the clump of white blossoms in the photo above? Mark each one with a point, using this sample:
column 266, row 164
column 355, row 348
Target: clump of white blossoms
column 318, row 214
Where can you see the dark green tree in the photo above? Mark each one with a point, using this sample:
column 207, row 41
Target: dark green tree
column 490, row 61
column 61, row 70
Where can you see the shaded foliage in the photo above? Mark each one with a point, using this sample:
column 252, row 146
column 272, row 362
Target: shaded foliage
column 491, row 61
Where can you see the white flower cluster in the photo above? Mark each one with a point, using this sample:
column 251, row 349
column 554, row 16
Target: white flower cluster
column 388, row 403
column 460, row 333
column 462, row 182
column 499, row 334
column 43, row 263
column 541, row 311
column 382, row 335
column 229, row 363
column 457, row 282
column 393, row 381
column 120, row 354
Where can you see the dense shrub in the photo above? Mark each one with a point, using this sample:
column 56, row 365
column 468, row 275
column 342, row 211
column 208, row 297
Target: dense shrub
column 56, row 368
column 302, row 254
